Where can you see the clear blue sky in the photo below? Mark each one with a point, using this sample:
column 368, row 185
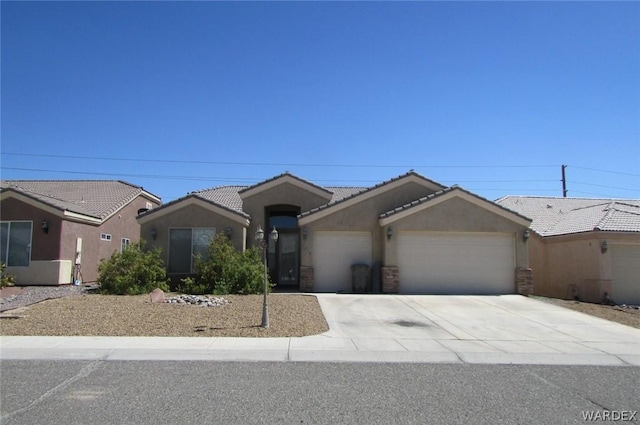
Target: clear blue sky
column 493, row 96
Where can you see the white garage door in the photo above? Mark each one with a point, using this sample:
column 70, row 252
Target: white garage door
column 625, row 265
column 333, row 255
column 456, row 263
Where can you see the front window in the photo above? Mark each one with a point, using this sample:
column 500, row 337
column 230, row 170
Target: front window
column 124, row 243
column 16, row 243
column 187, row 244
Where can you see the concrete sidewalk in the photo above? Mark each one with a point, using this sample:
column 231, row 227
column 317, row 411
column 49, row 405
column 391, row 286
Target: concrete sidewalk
column 508, row 329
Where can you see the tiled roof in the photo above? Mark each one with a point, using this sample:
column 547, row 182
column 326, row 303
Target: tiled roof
column 368, row 189
column 228, row 197
column 92, row 198
column 561, row 216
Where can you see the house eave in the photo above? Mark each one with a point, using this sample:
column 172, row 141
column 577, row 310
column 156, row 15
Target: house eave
column 326, row 210
column 191, row 200
column 455, row 193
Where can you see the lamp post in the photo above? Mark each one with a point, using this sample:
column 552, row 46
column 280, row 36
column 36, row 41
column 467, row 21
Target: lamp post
column 263, row 243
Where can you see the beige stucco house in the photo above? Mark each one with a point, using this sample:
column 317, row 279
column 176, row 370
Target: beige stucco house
column 56, row 231
column 413, row 235
column 583, row 247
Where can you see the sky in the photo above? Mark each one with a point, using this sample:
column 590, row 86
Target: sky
column 183, row 96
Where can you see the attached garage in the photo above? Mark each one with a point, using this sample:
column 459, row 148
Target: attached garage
column 456, row 263
column 625, row 268
column 333, row 255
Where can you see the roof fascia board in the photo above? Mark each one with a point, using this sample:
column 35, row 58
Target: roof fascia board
column 363, row 196
column 64, row 214
column 287, row 178
column 456, row 193
column 193, row 200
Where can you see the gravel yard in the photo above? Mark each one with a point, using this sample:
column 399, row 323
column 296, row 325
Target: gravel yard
column 82, row 314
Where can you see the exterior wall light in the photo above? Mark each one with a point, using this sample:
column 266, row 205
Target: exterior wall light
column 604, row 246
column 227, row 231
column 389, row 232
column 154, row 233
column 526, row 235
column 45, row 226
column 305, row 232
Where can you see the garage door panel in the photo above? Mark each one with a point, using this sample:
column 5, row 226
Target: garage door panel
column 456, row 263
column 333, row 255
column 625, row 267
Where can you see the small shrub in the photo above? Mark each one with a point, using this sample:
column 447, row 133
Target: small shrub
column 227, row 271
column 6, row 279
column 188, row 285
column 133, row 271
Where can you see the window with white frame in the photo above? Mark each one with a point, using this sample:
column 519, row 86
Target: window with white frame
column 185, row 245
column 149, row 206
column 124, row 243
column 15, row 237
column 105, row 237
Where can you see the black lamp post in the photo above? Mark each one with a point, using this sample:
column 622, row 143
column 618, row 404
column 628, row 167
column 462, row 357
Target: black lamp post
column 260, row 238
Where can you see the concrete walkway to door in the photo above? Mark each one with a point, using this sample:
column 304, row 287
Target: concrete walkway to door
column 507, row 329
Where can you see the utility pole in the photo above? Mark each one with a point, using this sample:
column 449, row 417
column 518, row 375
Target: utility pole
column 564, row 182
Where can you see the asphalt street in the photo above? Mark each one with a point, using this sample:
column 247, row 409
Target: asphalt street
column 167, row 392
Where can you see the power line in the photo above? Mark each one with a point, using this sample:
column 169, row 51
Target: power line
column 279, row 164
column 605, row 186
column 606, row 171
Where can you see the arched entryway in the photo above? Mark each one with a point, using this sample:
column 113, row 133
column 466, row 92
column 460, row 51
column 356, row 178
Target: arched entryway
column 284, row 256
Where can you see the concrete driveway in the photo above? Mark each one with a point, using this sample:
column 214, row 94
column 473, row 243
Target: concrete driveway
column 508, row 329
column 474, row 329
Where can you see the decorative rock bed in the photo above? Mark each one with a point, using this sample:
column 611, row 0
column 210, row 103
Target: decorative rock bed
column 198, row 300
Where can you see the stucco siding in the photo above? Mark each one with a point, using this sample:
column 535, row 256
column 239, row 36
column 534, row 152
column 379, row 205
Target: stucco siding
column 191, row 216
column 457, row 215
column 363, row 216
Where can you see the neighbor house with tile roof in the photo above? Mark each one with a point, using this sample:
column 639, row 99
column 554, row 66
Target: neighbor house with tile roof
column 56, row 231
column 583, row 247
column 405, row 235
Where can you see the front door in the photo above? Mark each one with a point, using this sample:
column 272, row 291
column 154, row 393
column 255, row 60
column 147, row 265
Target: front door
column 284, row 254
column 287, row 263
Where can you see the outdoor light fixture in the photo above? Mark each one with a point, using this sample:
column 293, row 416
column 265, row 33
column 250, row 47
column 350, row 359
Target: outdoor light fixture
column 154, row 233
column 45, row 226
column 228, row 232
column 305, row 232
column 525, row 235
column 604, row 246
column 263, row 244
column 389, row 232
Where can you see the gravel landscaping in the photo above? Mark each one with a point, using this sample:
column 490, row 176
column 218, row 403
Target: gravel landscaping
column 83, row 314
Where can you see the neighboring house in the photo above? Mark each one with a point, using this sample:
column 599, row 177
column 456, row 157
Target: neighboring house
column 582, row 248
column 415, row 235
column 56, row 232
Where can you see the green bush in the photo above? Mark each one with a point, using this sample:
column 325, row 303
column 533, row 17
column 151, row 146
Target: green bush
column 133, row 271
column 6, row 279
column 227, row 271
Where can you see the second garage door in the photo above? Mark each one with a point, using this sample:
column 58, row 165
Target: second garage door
column 456, row 263
column 333, row 255
column 625, row 267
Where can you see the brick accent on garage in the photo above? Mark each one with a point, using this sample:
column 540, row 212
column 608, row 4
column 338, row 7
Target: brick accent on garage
column 306, row 279
column 390, row 280
column 524, row 281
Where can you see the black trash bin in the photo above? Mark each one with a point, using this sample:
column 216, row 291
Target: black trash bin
column 360, row 278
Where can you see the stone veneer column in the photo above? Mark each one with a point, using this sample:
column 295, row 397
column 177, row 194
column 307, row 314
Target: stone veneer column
column 306, row 279
column 390, row 280
column 524, row 281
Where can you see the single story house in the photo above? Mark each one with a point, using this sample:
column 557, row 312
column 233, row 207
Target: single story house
column 56, row 231
column 583, row 248
column 414, row 236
